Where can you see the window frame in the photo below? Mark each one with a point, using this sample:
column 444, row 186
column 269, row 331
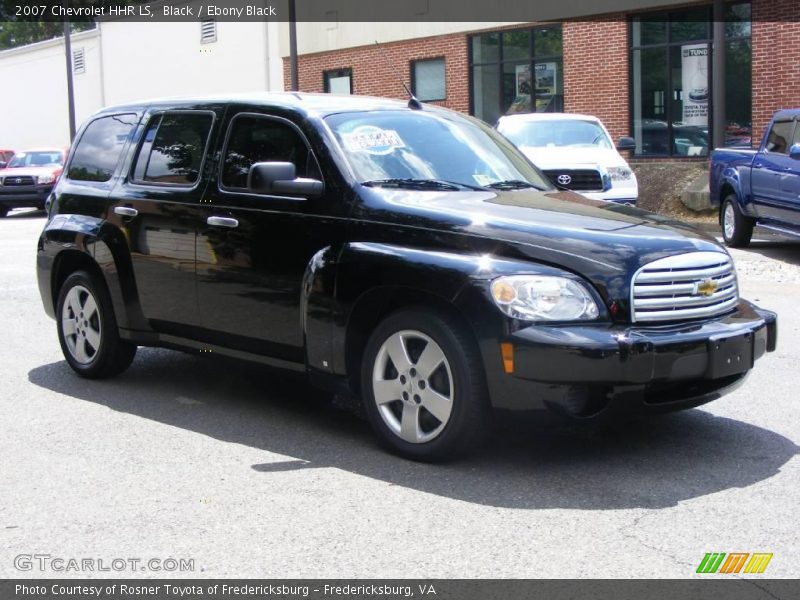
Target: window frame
column 340, row 72
column 413, row 76
column 501, row 60
column 666, row 16
column 224, row 152
column 70, row 154
column 141, row 142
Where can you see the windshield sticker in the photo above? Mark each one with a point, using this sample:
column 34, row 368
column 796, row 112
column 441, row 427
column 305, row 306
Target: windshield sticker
column 483, row 180
column 373, row 140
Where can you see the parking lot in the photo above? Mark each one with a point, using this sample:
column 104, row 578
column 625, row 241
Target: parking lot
column 253, row 474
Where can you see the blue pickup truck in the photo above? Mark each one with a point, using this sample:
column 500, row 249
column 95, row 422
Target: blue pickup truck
column 759, row 187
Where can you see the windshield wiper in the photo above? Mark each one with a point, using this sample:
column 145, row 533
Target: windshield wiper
column 513, row 184
column 427, row 184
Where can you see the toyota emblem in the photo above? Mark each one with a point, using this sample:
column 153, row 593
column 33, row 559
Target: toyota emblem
column 18, row 180
column 564, row 179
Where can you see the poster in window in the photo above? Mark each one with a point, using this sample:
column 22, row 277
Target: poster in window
column 546, row 84
column 694, row 68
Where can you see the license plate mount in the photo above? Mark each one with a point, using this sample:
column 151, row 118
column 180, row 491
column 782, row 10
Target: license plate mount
column 730, row 355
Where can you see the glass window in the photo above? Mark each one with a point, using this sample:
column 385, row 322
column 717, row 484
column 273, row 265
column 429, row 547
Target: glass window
column 391, row 145
column 428, row 79
column 339, row 81
column 173, row 148
column 778, row 139
column 567, row 132
column 253, row 139
column 486, row 92
column 518, row 71
column 671, row 82
column 486, row 48
column 98, row 152
column 39, row 158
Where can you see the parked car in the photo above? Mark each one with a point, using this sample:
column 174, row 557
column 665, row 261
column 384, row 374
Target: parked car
column 5, row 157
column 759, row 187
column 575, row 152
column 406, row 255
column 29, row 178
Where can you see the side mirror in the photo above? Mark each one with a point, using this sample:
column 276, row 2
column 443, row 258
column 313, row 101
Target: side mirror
column 794, row 151
column 280, row 178
column 626, row 143
column 2, row 164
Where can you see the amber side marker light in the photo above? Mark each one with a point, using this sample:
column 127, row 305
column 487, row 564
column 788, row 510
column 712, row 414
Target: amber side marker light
column 507, row 349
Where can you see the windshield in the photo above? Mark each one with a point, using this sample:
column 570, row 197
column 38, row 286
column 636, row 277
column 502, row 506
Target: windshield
column 569, row 132
column 48, row 158
column 401, row 147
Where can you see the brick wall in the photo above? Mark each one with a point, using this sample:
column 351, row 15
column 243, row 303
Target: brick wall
column 377, row 71
column 776, row 60
column 596, row 71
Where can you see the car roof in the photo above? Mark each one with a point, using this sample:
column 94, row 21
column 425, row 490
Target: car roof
column 318, row 104
column 787, row 113
column 549, row 116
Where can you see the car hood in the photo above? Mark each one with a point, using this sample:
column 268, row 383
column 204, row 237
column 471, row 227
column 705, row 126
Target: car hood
column 603, row 242
column 28, row 171
column 573, row 157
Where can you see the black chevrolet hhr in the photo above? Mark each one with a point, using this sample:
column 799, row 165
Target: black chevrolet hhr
column 405, row 254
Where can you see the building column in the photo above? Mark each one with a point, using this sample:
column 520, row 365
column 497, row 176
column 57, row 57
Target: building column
column 718, row 75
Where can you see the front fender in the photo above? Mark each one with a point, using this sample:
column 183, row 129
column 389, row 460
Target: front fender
column 369, row 268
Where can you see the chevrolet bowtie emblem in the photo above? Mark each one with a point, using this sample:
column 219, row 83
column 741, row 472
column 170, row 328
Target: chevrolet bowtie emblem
column 706, row 288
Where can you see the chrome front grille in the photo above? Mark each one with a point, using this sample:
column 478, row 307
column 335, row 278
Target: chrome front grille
column 579, row 180
column 687, row 286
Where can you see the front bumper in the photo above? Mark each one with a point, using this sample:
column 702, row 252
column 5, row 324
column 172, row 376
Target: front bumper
column 620, row 195
column 584, row 369
column 25, row 196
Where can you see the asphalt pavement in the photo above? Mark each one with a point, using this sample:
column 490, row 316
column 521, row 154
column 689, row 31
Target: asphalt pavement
column 248, row 473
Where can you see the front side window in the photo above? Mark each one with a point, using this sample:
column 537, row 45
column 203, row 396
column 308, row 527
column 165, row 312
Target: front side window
column 544, row 133
column 517, row 71
column 173, row 148
column 255, row 138
column 98, row 152
column 671, row 83
column 391, row 146
column 428, row 79
column 778, row 138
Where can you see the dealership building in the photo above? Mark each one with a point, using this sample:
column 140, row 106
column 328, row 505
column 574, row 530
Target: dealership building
column 646, row 69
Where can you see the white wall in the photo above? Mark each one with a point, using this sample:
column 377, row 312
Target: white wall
column 147, row 60
column 33, row 101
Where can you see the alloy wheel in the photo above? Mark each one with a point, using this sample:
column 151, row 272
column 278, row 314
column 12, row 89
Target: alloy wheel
column 80, row 324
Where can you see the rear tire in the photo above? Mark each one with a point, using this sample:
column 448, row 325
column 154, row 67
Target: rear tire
column 737, row 229
column 423, row 386
column 87, row 328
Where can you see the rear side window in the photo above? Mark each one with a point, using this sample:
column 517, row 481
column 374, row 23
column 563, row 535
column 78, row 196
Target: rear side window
column 173, row 148
column 777, row 141
column 100, row 147
column 253, row 139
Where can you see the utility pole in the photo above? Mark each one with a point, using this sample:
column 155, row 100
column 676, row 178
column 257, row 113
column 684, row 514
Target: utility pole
column 294, row 84
column 70, row 87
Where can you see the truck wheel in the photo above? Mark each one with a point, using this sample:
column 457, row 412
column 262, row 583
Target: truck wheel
column 423, row 386
column 737, row 229
column 87, row 328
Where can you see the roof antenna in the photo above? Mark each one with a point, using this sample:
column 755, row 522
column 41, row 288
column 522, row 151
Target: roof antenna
column 413, row 103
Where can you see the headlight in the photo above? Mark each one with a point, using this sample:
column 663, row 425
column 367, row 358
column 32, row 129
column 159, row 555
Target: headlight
column 543, row 298
column 620, row 173
column 42, row 179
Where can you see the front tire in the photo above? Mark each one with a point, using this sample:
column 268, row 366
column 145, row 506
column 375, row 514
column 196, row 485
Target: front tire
column 737, row 229
column 423, row 386
column 87, row 328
